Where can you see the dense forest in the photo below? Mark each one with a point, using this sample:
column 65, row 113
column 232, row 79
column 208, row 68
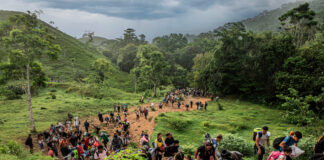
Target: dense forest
column 264, row 67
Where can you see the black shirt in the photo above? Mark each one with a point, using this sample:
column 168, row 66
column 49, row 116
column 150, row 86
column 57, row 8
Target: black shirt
column 205, row 155
column 168, row 141
column 170, row 151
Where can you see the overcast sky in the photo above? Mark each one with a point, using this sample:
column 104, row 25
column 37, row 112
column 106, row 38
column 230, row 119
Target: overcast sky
column 108, row 18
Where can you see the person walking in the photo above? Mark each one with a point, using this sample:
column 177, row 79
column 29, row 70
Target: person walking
column 29, row 142
column 262, row 137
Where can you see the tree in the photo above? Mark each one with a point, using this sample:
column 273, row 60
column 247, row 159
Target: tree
column 101, row 67
column 130, row 36
column 152, row 66
column 142, row 39
column 169, row 43
column 27, row 39
column 126, row 58
column 301, row 23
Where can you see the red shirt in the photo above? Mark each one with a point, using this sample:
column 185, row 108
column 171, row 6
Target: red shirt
column 86, row 142
column 80, row 150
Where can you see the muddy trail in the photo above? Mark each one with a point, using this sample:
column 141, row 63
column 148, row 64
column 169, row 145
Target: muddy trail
column 142, row 124
column 136, row 125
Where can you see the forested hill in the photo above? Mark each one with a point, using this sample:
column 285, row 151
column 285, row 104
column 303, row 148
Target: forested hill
column 268, row 20
column 74, row 60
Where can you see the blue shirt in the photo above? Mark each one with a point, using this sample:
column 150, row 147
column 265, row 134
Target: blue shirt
column 289, row 141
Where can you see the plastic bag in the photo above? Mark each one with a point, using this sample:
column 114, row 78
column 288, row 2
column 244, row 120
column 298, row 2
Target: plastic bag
column 296, row 152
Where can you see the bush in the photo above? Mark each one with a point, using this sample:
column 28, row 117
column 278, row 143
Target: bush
column 12, row 92
column 306, row 144
column 53, row 96
column 236, row 143
column 297, row 108
column 220, row 107
column 188, row 149
column 178, row 124
column 127, row 154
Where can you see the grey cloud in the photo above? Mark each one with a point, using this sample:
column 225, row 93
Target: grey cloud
column 132, row 9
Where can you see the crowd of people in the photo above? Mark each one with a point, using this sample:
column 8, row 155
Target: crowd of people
column 73, row 141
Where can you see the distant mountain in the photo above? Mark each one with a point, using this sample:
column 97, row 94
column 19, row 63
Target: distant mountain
column 268, row 20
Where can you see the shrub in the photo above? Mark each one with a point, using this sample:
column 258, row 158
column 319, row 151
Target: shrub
column 220, row 107
column 150, row 119
column 127, row 154
column 306, row 144
column 53, row 96
column 236, row 143
column 178, row 123
column 188, row 149
column 12, row 92
column 297, row 108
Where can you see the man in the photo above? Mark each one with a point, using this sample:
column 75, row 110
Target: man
column 191, row 103
column 104, row 138
column 216, row 142
column 29, row 142
column 116, row 143
column 261, row 138
column 100, row 117
column 169, row 140
column 159, row 146
column 101, row 154
column 86, row 125
column 291, row 140
column 171, row 150
column 205, row 152
column 197, row 104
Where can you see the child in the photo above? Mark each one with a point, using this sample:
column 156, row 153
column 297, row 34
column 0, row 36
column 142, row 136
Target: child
column 285, row 153
column 277, row 155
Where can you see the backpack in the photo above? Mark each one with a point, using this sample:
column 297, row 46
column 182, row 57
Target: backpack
column 116, row 142
column 274, row 155
column 277, row 142
column 255, row 132
column 319, row 146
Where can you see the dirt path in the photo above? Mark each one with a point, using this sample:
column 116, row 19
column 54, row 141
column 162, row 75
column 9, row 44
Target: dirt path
column 137, row 126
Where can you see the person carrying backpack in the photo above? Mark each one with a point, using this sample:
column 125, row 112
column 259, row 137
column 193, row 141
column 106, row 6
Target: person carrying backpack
column 291, row 140
column 29, row 142
column 146, row 112
column 104, row 138
column 101, row 153
column 260, row 140
column 159, row 147
column 100, row 117
column 86, row 125
column 106, row 120
column 215, row 142
column 187, row 107
column 277, row 155
column 160, row 105
column 319, row 146
column 116, row 143
column 169, row 140
column 197, row 104
column 205, row 152
column 171, row 150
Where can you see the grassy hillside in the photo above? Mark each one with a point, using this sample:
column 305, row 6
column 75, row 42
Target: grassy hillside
column 238, row 118
column 268, row 20
column 75, row 59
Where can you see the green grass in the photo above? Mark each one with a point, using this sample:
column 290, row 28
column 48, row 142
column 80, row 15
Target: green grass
column 238, row 117
column 14, row 117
